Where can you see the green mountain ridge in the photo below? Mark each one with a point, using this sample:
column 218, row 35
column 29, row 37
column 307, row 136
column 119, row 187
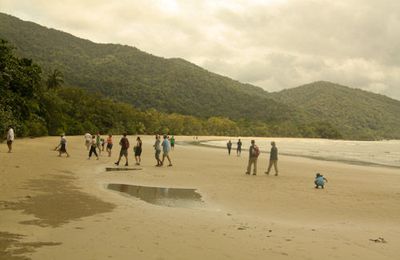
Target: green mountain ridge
column 358, row 114
column 143, row 80
column 127, row 74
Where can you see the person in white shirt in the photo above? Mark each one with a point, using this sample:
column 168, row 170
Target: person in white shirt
column 157, row 148
column 88, row 140
column 10, row 138
column 62, row 147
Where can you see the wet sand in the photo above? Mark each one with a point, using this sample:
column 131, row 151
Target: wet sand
column 59, row 208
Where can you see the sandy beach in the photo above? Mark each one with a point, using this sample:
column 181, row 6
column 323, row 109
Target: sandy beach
column 60, row 208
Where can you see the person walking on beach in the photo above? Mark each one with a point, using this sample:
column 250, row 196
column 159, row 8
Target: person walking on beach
column 239, row 148
column 93, row 147
column 10, row 138
column 98, row 142
column 254, row 152
column 157, row 148
column 109, row 145
column 229, row 146
column 172, row 140
column 88, row 141
column 166, row 149
column 62, row 147
column 103, row 143
column 138, row 150
column 320, row 181
column 273, row 159
column 124, row 143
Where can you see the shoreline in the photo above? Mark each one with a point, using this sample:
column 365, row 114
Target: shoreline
column 319, row 158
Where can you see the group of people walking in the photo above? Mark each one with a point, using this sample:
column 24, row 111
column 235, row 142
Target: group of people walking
column 164, row 146
column 95, row 144
column 238, row 147
column 98, row 143
column 254, row 152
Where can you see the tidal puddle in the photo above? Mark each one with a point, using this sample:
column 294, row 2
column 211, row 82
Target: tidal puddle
column 167, row 197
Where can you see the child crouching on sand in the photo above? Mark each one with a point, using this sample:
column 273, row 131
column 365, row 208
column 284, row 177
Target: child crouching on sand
column 320, row 181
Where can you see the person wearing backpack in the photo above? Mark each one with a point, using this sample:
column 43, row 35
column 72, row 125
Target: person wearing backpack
column 124, row 142
column 254, row 152
column 273, row 159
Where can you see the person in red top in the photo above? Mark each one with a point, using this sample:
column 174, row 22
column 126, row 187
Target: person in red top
column 109, row 145
column 124, row 142
column 253, row 156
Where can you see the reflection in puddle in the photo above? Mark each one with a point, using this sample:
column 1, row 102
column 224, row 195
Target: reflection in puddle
column 169, row 197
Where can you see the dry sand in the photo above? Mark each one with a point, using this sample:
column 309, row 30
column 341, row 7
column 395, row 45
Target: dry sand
column 59, row 208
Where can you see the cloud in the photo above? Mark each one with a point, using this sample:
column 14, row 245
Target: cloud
column 274, row 44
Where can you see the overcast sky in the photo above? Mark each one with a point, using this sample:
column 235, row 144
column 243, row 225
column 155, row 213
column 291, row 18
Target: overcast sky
column 274, row 44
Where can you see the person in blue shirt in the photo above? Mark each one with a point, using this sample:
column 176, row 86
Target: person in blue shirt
column 320, row 181
column 166, row 146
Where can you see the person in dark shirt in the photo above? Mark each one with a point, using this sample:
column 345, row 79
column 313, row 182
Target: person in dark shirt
column 229, row 146
column 172, row 142
column 239, row 148
column 124, row 142
column 62, row 147
column 109, row 144
column 138, row 150
column 253, row 156
column 273, row 159
column 93, row 147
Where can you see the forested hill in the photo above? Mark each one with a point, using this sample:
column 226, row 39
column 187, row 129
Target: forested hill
column 127, row 74
column 357, row 114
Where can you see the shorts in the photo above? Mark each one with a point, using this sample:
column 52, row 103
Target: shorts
column 138, row 151
column 9, row 142
column 109, row 146
column 123, row 152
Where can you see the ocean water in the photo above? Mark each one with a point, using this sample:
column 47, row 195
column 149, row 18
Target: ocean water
column 385, row 153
